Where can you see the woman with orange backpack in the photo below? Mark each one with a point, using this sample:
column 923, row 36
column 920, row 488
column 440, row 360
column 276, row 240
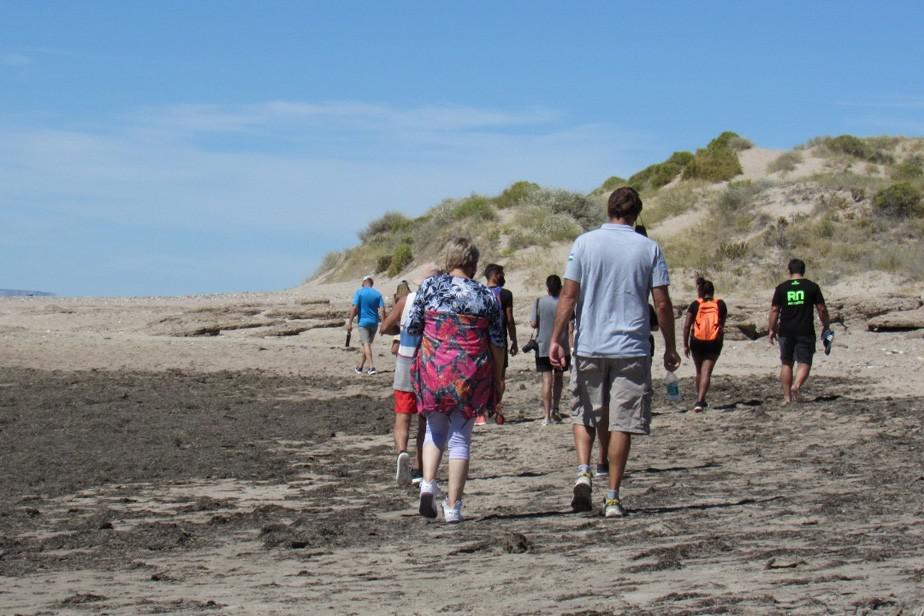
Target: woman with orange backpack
column 703, row 333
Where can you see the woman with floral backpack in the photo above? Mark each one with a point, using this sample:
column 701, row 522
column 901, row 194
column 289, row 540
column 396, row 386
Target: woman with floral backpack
column 703, row 334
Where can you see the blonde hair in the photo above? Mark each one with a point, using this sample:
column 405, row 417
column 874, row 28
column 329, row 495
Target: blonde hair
column 403, row 290
column 460, row 253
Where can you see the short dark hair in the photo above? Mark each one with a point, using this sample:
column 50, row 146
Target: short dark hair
column 492, row 269
column 553, row 284
column 797, row 266
column 624, row 203
column 705, row 288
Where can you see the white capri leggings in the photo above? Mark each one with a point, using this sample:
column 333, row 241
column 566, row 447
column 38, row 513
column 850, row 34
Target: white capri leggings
column 452, row 430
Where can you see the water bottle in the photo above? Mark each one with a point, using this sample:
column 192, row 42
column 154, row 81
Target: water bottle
column 827, row 338
column 672, row 387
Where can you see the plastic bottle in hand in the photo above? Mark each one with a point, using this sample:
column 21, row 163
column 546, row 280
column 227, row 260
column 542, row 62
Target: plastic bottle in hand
column 672, row 387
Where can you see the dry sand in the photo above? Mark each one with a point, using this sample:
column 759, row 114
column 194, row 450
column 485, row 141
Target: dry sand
column 251, row 473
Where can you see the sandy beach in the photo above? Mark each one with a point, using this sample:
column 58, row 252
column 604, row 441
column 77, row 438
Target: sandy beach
column 216, row 455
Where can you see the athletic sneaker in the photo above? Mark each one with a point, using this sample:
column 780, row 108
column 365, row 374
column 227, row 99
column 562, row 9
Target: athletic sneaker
column 700, row 406
column 416, row 477
column 452, row 515
column 602, row 471
column 429, row 494
column 612, row 508
column 556, row 416
column 583, row 488
column 546, row 422
column 370, row 371
column 357, row 370
column 403, row 473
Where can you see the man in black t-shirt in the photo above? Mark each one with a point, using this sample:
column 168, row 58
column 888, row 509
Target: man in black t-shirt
column 792, row 320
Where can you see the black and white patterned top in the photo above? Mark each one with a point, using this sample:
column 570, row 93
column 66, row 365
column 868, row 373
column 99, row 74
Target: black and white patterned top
column 452, row 294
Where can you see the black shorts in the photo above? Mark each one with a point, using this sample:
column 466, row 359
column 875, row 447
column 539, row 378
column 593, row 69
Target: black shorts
column 544, row 364
column 709, row 350
column 800, row 348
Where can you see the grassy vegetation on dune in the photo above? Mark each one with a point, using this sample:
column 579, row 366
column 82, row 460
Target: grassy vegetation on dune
column 864, row 211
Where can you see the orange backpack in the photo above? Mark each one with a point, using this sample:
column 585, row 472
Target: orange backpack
column 707, row 326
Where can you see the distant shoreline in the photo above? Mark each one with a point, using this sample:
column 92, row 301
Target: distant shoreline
column 22, row 293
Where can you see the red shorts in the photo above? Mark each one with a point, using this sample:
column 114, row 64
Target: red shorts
column 405, row 402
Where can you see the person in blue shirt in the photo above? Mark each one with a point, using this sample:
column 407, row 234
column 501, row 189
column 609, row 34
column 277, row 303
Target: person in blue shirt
column 369, row 306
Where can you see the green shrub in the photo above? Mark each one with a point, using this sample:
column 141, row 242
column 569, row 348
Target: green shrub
column 577, row 206
column 738, row 196
column 391, row 221
column 660, row 174
column 732, row 251
column 901, row 200
column 871, row 150
column 401, row 258
column 382, row 263
column 518, row 192
column 717, row 162
column 785, row 163
column 475, row 206
column 667, row 203
column 610, row 184
column 911, row 169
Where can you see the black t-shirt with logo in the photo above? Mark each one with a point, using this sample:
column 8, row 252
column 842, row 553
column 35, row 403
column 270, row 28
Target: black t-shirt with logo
column 796, row 300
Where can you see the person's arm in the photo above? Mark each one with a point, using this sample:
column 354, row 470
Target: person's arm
column 353, row 313
column 823, row 316
column 687, row 323
column 773, row 322
column 391, row 324
column 511, row 327
column 665, row 309
column 566, row 303
column 534, row 316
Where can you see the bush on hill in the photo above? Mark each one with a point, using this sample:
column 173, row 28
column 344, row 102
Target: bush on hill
column 785, row 163
column 516, row 193
column 475, row 206
column 401, row 258
column 391, row 221
column 718, row 161
column 660, row 174
column 609, row 185
column 901, row 200
column 871, row 150
column 911, row 169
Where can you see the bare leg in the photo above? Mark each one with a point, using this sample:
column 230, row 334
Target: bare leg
column 583, row 442
column 362, row 356
column 786, row 380
column 698, row 363
column 802, row 374
column 402, row 426
column 603, row 440
column 458, row 471
column 546, row 394
column 367, row 355
column 620, row 443
column 556, row 389
column 705, row 378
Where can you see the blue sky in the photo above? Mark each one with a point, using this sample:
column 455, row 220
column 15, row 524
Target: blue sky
column 177, row 147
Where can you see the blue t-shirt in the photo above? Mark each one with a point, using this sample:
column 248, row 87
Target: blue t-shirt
column 616, row 268
column 368, row 301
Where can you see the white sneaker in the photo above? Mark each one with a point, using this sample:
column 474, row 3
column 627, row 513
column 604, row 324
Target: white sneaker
column 583, row 488
column 546, row 422
column 452, row 515
column 403, row 472
column 429, row 494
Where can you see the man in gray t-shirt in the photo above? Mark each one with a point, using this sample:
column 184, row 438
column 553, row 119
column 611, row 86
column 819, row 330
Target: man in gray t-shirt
column 543, row 320
column 610, row 274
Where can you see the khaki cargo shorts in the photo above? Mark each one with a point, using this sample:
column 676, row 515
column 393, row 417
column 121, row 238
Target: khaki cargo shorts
column 367, row 334
column 611, row 390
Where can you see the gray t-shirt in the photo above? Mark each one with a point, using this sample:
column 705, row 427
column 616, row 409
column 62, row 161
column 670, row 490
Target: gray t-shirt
column 616, row 268
column 547, row 306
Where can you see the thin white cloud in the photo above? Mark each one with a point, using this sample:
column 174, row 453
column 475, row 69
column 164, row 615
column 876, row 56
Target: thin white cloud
column 283, row 169
column 13, row 59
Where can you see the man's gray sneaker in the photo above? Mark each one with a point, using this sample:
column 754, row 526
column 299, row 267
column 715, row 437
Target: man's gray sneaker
column 612, row 508
column 403, row 472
